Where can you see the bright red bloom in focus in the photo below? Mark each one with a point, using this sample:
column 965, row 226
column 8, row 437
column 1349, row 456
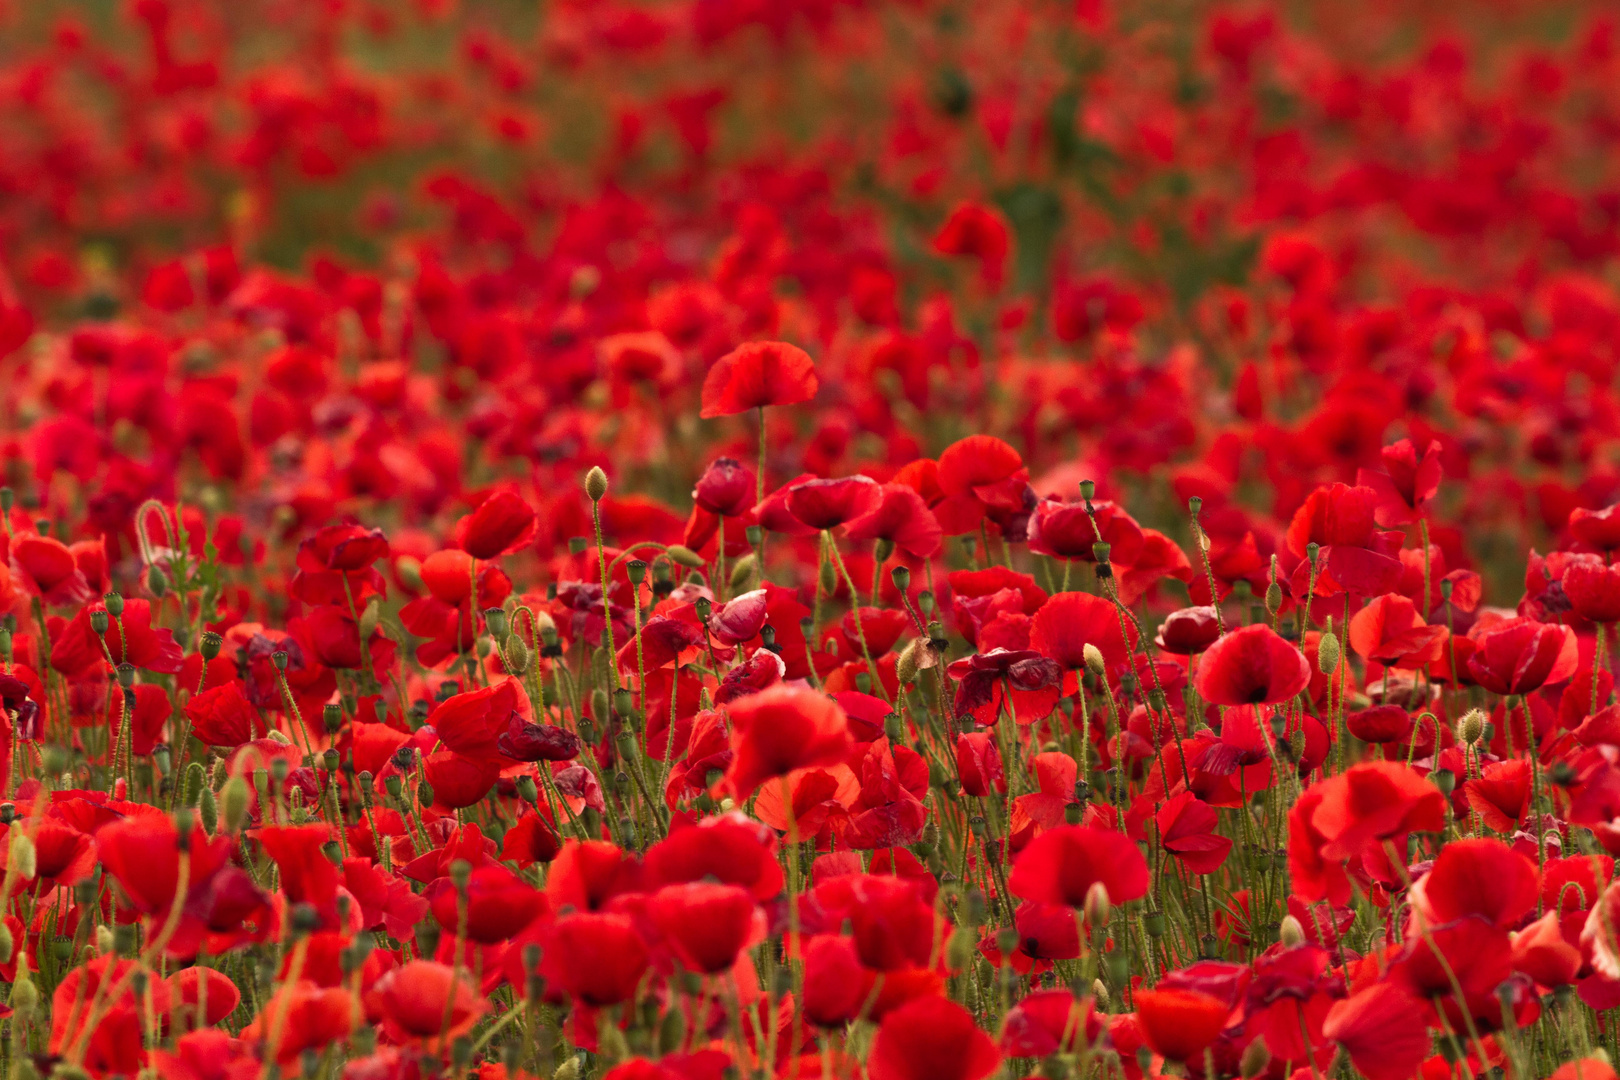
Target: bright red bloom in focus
column 758, row 374
column 1253, row 665
column 1517, row 656
column 1179, row 1024
column 1061, row 865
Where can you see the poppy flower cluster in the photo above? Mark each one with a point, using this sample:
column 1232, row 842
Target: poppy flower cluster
column 837, row 540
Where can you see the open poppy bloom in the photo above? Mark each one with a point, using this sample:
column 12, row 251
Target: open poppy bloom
column 758, row 374
column 1251, row 666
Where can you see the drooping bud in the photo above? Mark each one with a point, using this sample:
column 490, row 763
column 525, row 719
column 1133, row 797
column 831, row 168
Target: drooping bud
column 682, row 555
column 1099, row 993
column 1095, row 662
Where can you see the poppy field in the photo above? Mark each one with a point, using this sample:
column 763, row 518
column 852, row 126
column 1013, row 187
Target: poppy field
column 809, row 539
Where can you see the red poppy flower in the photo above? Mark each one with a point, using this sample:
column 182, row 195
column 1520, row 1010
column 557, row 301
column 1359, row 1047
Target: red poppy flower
column 412, row 1003
column 313, row 1018
column 1598, row 528
column 597, row 959
column 1383, row 1030
column 497, row 906
column 224, row 717
column 731, row 849
column 1479, row 878
column 931, row 1038
column 977, row 232
column 1061, row 865
column 758, row 374
column 1180, row 1024
column 726, row 488
column 706, row 925
column 1390, row 630
column 1406, row 485
column 306, row 875
column 902, row 518
column 1187, row 830
column 1064, row 531
column 1188, row 631
column 974, row 476
column 114, row 1045
column 501, row 524
column 1368, row 804
column 826, row 504
column 1356, row 556
column 1593, row 588
column 1253, row 665
column 342, row 548
column 1047, row 1022
column 1516, row 656
column 1068, row 622
column 43, row 566
column 780, row 729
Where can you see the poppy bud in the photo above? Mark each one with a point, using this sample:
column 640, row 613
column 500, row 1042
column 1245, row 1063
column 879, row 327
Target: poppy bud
column 369, row 619
column 1328, row 654
column 8, row 498
column 828, row 578
column 7, row 944
column 672, row 1031
column 208, row 811
column 23, row 855
column 517, row 657
column 5, row 645
column 1291, row 933
column 882, row 550
column 98, row 622
column 596, row 483
column 1256, row 1058
column 196, row 779
column 157, row 583
column 977, row 908
column 460, row 874
column 24, row 996
column 1099, row 993
column 1444, row 779
column 959, row 950
column 681, row 555
column 1098, row 908
column 1094, row 660
column 1153, row 922
column 234, row 801
column 1446, row 585
column 572, row 1069
column 1471, row 727
column 909, row 662
column 1274, row 599
column 1006, row 940
column 742, row 572
column 1296, row 745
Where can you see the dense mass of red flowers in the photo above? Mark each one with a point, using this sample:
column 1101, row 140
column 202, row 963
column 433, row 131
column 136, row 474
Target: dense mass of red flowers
column 809, row 539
